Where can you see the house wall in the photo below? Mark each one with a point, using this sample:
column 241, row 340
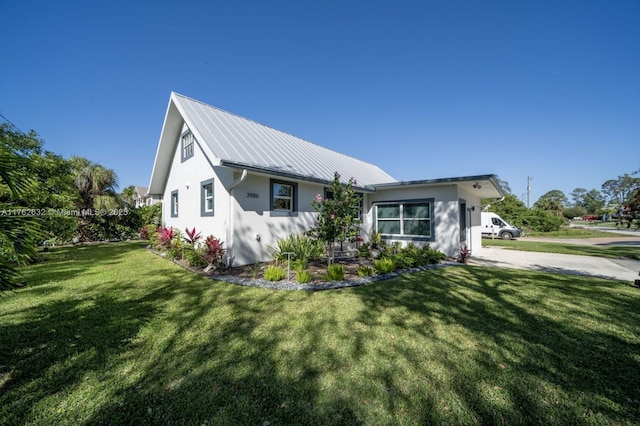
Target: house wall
column 186, row 178
column 254, row 226
column 446, row 227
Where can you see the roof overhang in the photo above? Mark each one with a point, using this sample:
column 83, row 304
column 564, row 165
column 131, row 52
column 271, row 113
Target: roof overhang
column 267, row 171
column 485, row 186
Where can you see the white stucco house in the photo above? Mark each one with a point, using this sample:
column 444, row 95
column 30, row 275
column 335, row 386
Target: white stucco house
column 249, row 185
column 142, row 197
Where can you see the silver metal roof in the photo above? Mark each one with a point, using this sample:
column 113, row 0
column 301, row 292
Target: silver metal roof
column 236, row 142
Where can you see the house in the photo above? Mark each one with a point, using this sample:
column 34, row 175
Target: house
column 249, row 185
column 142, row 198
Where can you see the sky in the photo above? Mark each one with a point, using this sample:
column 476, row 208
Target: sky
column 547, row 90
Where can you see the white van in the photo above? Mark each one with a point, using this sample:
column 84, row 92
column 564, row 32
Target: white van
column 494, row 226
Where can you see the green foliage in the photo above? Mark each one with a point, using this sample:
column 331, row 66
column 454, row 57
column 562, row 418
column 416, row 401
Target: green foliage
column 335, row 272
column 364, row 251
column 303, row 247
column 274, row 273
column 195, row 258
column 630, row 214
column 17, row 232
column 384, row 265
column 364, row 271
column 510, row 209
column 553, row 202
column 541, row 221
column 337, row 214
column 571, row 212
column 303, row 276
column 151, row 215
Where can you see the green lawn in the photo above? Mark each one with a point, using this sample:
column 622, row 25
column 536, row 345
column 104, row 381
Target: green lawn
column 112, row 334
column 616, row 252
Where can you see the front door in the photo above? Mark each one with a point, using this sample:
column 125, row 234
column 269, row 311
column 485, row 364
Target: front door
column 462, row 211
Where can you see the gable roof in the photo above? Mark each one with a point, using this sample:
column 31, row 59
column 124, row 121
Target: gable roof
column 239, row 142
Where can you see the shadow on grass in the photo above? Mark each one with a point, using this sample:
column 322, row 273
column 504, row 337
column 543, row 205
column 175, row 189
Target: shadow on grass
column 177, row 349
column 152, row 344
column 538, row 338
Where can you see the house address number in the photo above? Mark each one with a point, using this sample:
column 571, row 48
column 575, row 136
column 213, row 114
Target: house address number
column 253, row 195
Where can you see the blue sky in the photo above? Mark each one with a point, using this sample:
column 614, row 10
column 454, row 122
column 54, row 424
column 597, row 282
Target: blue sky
column 547, row 89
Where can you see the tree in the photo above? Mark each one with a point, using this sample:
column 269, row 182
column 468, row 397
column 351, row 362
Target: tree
column 553, row 202
column 630, row 214
column 510, row 209
column 593, row 201
column 17, row 230
column 577, row 196
column 619, row 191
column 96, row 190
column 337, row 214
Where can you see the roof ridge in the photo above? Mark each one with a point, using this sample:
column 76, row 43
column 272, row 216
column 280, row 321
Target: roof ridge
column 277, row 130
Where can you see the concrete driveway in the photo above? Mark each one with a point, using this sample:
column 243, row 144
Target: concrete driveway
column 616, row 269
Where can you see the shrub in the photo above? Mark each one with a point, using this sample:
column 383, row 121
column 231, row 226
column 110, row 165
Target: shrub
column 274, row 273
column 304, row 276
column 430, row 256
column 364, row 271
column 384, row 265
column 144, row 232
column 213, row 251
column 195, row 258
column 299, row 264
column 164, row 237
column 191, row 236
column 303, row 247
column 335, row 272
column 364, row 251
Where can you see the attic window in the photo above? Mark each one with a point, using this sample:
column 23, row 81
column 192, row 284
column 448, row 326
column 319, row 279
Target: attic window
column 187, row 145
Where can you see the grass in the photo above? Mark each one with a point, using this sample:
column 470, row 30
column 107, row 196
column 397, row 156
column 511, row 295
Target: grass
column 113, row 334
column 577, row 232
column 615, row 252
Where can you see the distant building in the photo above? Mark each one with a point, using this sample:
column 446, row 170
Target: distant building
column 142, row 198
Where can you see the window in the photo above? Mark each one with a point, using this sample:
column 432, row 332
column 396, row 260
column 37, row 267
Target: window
column 404, row 218
column 174, row 203
column 188, row 142
column 206, row 198
column 284, row 198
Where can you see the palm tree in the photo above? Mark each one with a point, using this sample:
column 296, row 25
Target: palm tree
column 96, row 187
column 17, row 232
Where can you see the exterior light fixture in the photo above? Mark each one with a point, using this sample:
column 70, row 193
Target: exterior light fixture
column 477, row 186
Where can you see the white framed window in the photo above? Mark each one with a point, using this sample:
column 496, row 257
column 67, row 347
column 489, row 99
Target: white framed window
column 206, row 198
column 405, row 219
column 284, row 198
column 188, row 144
column 174, row 203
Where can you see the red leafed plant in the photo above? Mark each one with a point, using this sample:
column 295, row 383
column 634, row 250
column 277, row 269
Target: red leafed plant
column 192, row 237
column 164, row 236
column 213, row 251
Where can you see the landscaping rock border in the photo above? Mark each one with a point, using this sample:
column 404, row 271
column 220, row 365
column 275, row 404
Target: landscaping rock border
column 325, row 285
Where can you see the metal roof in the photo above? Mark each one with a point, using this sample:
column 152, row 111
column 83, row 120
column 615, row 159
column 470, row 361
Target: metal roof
column 236, row 142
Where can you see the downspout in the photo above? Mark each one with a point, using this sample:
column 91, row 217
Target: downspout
column 486, row 208
column 235, row 183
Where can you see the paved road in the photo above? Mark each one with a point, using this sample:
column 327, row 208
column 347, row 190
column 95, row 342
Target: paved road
column 617, row 269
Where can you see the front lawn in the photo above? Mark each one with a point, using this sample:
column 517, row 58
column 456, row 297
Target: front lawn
column 613, row 251
column 116, row 335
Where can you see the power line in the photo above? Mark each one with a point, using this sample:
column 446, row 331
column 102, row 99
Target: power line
column 11, row 124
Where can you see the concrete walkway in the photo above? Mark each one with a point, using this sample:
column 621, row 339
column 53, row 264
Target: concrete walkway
column 616, row 269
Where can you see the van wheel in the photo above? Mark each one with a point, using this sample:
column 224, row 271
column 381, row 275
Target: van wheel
column 506, row 235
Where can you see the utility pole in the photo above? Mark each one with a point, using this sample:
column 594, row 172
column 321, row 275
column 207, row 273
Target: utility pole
column 528, row 190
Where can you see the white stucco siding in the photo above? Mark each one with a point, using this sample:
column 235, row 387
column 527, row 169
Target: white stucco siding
column 254, row 226
column 186, row 177
column 446, row 226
